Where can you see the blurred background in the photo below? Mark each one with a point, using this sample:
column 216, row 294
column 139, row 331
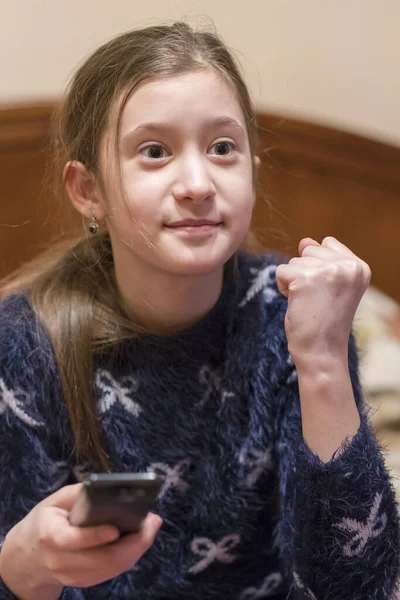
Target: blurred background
column 336, row 62
column 325, row 80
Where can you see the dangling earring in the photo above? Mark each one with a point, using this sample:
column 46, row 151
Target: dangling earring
column 93, row 225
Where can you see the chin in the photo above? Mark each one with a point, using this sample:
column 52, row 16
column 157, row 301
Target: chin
column 200, row 263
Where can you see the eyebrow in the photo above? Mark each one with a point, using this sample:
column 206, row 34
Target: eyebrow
column 210, row 123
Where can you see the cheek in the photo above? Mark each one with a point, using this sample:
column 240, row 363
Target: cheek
column 240, row 196
column 144, row 196
column 240, row 184
column 133, row 216
column 242, row 212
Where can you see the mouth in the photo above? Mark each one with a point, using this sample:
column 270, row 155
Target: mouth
column 194, row 227
column 193, row 223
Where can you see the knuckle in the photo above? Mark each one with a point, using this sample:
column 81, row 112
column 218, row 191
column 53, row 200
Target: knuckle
column 367, row 272
column 331, row 273
column 146, row 540
column 309, row 276
column 357, row 270
column 68, row 580
column 45, row 537
column 279, row 270
column 145, row 543
column 346, row 270
column 58, row 571
column 308, row 251
column 59, row 541
column 52, row 564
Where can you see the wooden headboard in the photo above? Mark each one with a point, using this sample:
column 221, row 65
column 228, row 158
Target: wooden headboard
column 314, row 181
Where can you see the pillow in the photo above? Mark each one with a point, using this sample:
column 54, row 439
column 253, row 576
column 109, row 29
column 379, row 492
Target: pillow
column 377, row 331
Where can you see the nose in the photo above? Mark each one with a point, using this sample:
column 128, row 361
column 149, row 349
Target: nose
column 193, row 180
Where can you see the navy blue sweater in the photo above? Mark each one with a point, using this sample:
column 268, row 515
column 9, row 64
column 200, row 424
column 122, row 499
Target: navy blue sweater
column 249, row 511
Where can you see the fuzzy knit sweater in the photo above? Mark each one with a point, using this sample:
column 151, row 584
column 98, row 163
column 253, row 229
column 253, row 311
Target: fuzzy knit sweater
column 249, row 511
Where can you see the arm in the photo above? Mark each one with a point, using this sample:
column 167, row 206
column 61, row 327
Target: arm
column 329, row 413
column 339, row 529
column 25, row 488
column 30, row 469
column 43, row 555
column 324, row 287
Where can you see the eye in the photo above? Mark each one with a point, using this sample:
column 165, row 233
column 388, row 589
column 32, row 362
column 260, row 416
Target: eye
column 153, row 152
column 223, row 148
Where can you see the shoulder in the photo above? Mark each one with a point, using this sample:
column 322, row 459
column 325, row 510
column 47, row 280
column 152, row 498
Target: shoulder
column 258, row 350
column 16, row 325
column 26, row 358
column 260, row 307
column 19, row 329
column 13, row 307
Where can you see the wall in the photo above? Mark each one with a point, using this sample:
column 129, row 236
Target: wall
column 331, row 61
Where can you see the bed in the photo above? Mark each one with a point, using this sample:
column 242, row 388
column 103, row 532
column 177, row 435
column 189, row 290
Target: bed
column 314, row 181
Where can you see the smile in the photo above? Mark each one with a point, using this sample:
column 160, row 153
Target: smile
column 194, row 226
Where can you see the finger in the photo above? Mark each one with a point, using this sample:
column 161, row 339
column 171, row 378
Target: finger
column 64, row 497
column 77, row 538
column 136, row 544
column 149, row 529
column 296, row 269
column 325, row 254
column 286, row 274
column 82, row 569
column 301, row 262
column 333, row 244
column 307, row 242
column 63, row 536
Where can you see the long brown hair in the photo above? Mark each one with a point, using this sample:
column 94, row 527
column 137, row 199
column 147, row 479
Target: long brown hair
column 72, row 287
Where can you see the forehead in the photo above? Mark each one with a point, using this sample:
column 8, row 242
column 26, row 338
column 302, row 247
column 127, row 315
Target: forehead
column 188, row 99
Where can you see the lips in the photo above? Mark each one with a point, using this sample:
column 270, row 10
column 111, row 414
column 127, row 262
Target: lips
column 193, row 223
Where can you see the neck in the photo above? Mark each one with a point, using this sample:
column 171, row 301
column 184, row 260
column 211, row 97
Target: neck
column 165, row 302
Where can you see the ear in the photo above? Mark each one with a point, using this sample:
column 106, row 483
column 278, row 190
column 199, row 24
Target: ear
column 257, row 162
column 82, row 190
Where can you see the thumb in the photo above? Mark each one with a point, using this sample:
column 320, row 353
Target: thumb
column 64, row 497
column 307, row 242
column 283, row 273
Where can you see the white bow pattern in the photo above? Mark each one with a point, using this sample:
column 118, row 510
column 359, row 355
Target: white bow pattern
column 213, row 551
column 114, row 392
column 9, row 399
column 293, row 375
column 258, row 460
column 211, row 378
column 268, row 587
column 264, row 281
column 363, row 532
column 225, row 394
column 62, row 471
column 173, row 475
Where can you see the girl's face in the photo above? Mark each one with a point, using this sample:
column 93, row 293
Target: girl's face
column 187, row 176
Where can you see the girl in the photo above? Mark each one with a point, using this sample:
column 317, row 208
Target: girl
column 158, row 344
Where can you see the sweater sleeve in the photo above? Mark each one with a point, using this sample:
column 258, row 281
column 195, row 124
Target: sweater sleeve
column 339, row 531
column 31, row 448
